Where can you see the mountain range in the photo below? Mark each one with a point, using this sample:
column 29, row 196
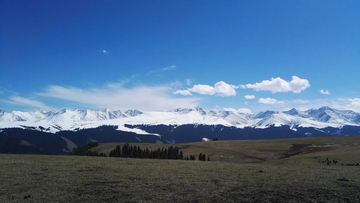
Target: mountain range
column 74, row 128
column 73, row 120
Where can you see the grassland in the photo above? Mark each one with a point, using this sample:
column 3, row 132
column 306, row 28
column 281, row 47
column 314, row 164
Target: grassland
column 346, row 149
column 290, row 170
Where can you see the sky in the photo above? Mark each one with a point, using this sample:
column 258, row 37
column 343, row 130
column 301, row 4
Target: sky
column 247, row 56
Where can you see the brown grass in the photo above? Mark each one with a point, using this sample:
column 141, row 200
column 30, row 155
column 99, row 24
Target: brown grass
column 296, row 178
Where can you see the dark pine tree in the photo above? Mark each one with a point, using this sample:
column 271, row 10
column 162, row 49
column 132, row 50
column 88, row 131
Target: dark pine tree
column 176, row 153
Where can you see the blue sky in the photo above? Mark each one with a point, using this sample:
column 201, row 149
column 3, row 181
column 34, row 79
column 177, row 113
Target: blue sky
column 159, row 55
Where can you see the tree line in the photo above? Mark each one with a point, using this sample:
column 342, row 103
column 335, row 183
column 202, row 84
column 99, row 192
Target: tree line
column 130, row 151
column 136, row 152
column 171, row 152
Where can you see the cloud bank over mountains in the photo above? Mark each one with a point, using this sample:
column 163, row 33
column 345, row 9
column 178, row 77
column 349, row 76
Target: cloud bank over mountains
column 166, row 97
column 142, row 98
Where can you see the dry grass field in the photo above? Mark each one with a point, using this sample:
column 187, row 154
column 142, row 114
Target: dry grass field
column 289, row 170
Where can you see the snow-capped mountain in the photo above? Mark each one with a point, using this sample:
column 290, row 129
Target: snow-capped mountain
column 57, row 132
column 73, row 120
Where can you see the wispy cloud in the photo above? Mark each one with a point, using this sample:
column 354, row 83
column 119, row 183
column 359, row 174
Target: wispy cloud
column 346, row 103
column 117, row 97
column 20, row 101
column 176, row 84
column 183, row 92
column 289, row 104
column 324, row 92
column 221, row 89
column 355, row 102
column 300, row 101
column 188, row 82
column 296, row 85
column 269, row 101
column 169, row 68
column 172, row 67
column 104, row 51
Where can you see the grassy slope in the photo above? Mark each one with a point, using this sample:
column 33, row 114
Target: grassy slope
column 298, row 178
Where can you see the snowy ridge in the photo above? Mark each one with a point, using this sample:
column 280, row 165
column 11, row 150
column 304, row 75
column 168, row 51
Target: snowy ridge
column 54, row 121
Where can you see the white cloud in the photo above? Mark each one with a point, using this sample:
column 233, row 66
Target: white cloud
column 104, row 51
column 182, row 92
column 244, row 110
column 172, row 67
column 296, row 85
column 249, row 97
column 27, row 102
column 221, row 89
column 324, row 92
column 354, row 104
column 225, row 90
column 269, row 101
column 203, row 89
column 141, row 98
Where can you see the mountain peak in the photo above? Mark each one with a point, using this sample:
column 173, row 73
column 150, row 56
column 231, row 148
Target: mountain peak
column 105, row 110
column 182, row 110
column 293, row 112
column 63, row 111
column 200, row 110
column 133, row 113
column 265, row 114
column 324, row 108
